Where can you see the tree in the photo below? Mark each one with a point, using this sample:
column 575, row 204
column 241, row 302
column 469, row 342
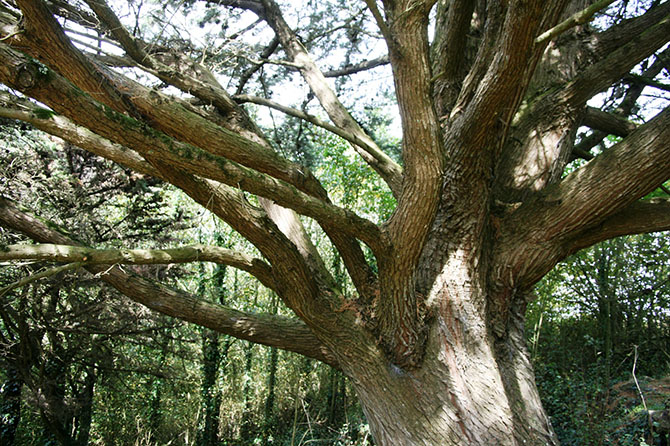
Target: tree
column 489, row 108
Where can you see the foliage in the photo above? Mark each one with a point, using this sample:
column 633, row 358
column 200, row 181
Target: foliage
column 592, row 312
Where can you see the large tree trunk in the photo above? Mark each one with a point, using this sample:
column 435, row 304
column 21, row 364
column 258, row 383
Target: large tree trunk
column 475, row 394
column 472, row 387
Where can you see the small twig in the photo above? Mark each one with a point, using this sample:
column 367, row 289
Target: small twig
column 644, row 404
column 261, row 61
column 9, row 36
column 578, row 18
column 38, row 276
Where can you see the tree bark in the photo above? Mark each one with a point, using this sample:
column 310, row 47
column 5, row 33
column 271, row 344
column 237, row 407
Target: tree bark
column 473, row 388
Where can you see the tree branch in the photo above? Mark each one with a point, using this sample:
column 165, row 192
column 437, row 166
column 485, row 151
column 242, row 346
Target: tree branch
column 357, row 68
column 224, row 202
column 209, row 91
column 352, row 138
column 620, row 60
column 271, row 330
column 267, row 52
column 633, row 78
column 609, row 183
column 381, row 23
column 250, row 5
column 607, row 122
column 300, row 279
column 186, row 254
column 578, row 18
column 43, row 36
column 637, row 218
column 453, row 24
column 600, row 45
column 400, row 324
column 624, row 109
column 13, row 107
column 38, row 276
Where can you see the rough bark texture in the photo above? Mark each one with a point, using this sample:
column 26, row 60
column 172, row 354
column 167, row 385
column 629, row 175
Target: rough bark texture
column 433, row 342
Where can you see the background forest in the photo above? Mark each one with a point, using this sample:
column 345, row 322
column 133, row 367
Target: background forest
column 82, row 364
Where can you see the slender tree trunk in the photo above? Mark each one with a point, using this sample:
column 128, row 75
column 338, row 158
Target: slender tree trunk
column 10, row 406
column 246, row 427
column 336, row 397
column 156, row 389
column 273, row 358
column 270, row 400
column 56, row 415
column 209, row 435
column 85, row 412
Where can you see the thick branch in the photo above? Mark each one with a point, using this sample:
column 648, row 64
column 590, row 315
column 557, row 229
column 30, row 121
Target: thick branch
column 609, row 183
column 602, row 44
column 185, row 254
column 400, row 322
column 453, row 23
column 235, row 211
column 607, row 122
column 547, row 127
column 42, row 31
column 275, row 331
column 250, row 5
column 381, row 22
column 300, row 286
column 636, row 218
